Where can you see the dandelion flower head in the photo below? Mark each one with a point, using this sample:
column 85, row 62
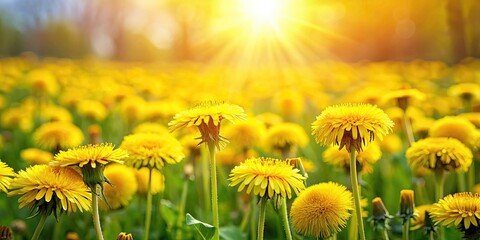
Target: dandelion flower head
column 285, row 136
column 207, row 117
column 158, row 181
column 351, row 125
column 54, row 135
column 459, row 208
column 100, row 154
column 122, row 187
column 6, row 173
column 439, row 153
column 267, row 177
column 152, row 150
column 36, row 156
column 454, row 127
column 50, row 189
column 321, row 210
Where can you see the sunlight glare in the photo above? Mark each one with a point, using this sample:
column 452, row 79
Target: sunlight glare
column 262, row 12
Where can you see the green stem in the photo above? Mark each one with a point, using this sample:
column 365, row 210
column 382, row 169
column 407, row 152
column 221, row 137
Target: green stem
column 95, row 213
column 406, row 230
column 461, row 181
column 284, row 214
column 261, row 218
column 439, row 182
column 246, row 217
column 408, row 129
column 385, row 234
column 40, row 226
column 213, row 186
column 356, row 192
column 431, row 235
column 181, row 209
column 148, row 212
column 253, row 221
column 353, row 228
column 471, row 176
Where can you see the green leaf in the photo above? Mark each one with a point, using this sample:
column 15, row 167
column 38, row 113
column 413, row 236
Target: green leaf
column 169, row 213
column 205, row 230
column 232, row 233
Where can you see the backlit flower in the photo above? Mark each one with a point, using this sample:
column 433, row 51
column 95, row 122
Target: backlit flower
column 460, row 209
column 91, row 109
column 403, row 97
column 285, row 137
column 245, row 134
column 267, row 177
column 465, row 90
column 152, row 150
column 6, row 173
column 36, row 156
column 454, row 127
column 207, row 117
column 158, row 181
column 121, row 188
column 321, row 210
column 439, row 153
column 58, row 135
column 93, row 155
column 49, row 189
column 419, row 221
column 150, row 127
column 351, row 125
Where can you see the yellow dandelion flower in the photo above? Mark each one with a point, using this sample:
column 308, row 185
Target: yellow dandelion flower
column 17, row 117
column 439, row 153
column 403, row 97
column 43, row 82
column 207, row 117
column 473, row 117
column 321, row 210
column 419, row 221
column 458, row 209
column 150, row 127
column 50, row 189
column 351, row 125
column 392, row 143
column 52, row 113
column 58, row 135
column 269, row 119
column 267, row 177
column 421, row 126
column 100, row 154
column 285, row 137
column 163, row 110
column 132, row 109
column 6, row 173
column 454, row 127
column 91, row 109
column 121, row 188
column 124, row 236
column 152, row 150
column 289, row 102
column 36, row 156
column 158, row 181
column 190, row 144
column 365, row 159
column 465, row 90
column 245, row 134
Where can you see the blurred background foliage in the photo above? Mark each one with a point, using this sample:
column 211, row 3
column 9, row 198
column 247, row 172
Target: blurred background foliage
column 307, row 30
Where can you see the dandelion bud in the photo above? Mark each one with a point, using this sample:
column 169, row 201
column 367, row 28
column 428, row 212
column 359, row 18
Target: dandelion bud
column 407, row 205
column 5, row 233
column 124, row 236
column 19, row 227
column 72, row 236
column 380, row 215
column 94, row 133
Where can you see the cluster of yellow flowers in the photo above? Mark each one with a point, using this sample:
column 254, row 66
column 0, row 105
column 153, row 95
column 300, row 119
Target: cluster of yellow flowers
column 59, row 115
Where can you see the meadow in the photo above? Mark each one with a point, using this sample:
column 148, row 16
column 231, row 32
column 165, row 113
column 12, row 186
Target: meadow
column 51, row 106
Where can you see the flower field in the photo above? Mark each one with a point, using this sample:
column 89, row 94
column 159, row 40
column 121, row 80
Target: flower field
column 142, row 142
column 239, row 119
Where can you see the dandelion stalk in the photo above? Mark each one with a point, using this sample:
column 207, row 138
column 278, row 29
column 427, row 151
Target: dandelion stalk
column 261, row 218
column 148, row 212
column 406, row 230
column 356, row 192
column 286, row 225
column 408, row 129
column 439, row 182
column 95, row 213
column 181, row 209
column 40, row 226
column 253, row 218
column 213, row 181
column 471, row 176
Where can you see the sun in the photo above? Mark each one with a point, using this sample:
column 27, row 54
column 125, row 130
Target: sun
column 262, row 12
